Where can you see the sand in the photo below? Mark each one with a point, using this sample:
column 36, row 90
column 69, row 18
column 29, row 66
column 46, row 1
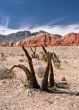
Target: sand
column 13, row 96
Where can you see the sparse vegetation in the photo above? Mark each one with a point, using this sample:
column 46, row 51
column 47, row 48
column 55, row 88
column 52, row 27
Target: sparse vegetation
column 3, row 57
column 25, row 82
column 21, row 60
column 4, row 73
column 64, row 79
column 30, row 73
column 16, row 94
column 53, row 56
column 34, row 55
column 57, row 65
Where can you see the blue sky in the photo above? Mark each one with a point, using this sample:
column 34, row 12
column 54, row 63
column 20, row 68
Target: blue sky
column 50, row 15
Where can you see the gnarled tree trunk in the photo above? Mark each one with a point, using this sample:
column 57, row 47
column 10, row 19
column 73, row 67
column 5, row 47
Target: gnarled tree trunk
column 27, row 72
column 50, row 69
column 45, row 79
column 35, row 84
column 30, row 73
column 51, row 76
column 33, row 52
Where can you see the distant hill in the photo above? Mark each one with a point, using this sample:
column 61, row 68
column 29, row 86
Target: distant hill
column 18, row 36
column 15, row 36
column 2, row 37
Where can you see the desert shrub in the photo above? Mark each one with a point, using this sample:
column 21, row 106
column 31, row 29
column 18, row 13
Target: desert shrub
column 3, row 57
column 4, row 74
column 2, row 54
column 63, row 79
column 21, row 55
column 40, row 71
column 57, row 65
column 53, row 56
column 25, row 82
column 21, row 60
column 35, row 56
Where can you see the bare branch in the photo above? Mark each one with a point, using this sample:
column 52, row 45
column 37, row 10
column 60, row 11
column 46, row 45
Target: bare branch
column 48, row 58
column 34, row 51
column 45, row 79
column 25, row 69
column 55, row 58
column 51, row 76
column 35, row 84
column 34, row 55
column 29, row 60
column 30, row 77
column 26, row 53
column 45, row 51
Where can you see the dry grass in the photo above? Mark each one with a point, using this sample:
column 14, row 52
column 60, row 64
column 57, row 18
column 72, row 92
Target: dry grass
column 16, row 98
column 4, row 73
column 39, row 70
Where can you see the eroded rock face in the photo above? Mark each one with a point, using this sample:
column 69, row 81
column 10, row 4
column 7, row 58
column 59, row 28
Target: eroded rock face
column 40, row 40
column 70, row 39
column 45, row 39
column 55, row 41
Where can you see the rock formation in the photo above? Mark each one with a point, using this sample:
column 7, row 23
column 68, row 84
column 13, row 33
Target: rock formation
column 70, row 39
column 46, row 39
column 41, row 39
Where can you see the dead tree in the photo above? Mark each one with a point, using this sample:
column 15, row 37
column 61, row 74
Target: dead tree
column 30, row 73
column 53, row 56
column 34, row 81
column 48, row 57
column 56, row 60
column 34, row 55
column 45, row 79
column 51, row 76
column 49, row 70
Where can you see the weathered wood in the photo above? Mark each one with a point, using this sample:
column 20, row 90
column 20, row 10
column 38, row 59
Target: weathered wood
column 27, row 72
column 55, row 58
column 34, row 55
column 51, row 76
column 45, row 51
column 35, row 84
column 30, row 73
column 45, row 79
column 33, row 51
column 50, row 68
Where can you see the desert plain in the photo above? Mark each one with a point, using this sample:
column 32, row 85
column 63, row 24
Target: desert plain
column 13, row 96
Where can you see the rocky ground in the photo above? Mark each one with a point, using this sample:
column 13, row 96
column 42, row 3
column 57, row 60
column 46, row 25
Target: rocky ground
column 64, row 96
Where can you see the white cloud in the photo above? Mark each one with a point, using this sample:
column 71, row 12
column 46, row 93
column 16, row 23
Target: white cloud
column 55, row 29
column 58, row 29
column 6, row 30
column 53, row 22
column 4, row 20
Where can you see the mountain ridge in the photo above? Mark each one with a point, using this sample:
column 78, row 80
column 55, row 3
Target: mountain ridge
column 41, row 38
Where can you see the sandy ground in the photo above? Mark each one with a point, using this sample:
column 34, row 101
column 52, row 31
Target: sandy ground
column 13, row 96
